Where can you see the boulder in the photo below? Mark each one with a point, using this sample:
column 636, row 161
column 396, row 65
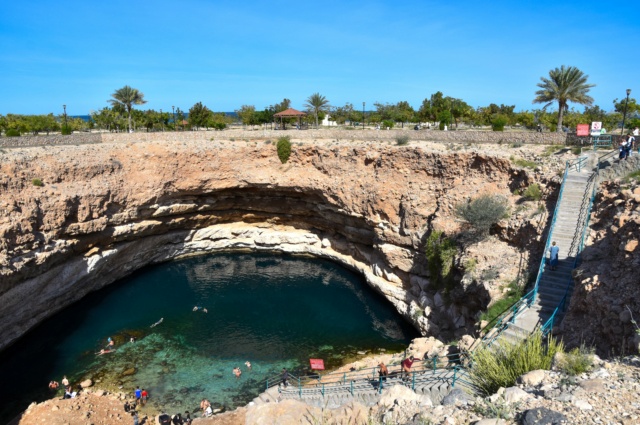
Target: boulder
column 86, row 383
column 543, row 416
column 492, row 421
column 533, row 378
column 457, row 397
column 515, row 394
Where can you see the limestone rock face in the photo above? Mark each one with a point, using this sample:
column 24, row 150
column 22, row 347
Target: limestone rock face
column 605, row 296
column 106, row 210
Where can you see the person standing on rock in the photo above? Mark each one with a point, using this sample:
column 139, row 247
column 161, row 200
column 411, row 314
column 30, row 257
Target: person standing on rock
column 553, row 255
column 285, row 378
column 383, row 371
column 65, row 381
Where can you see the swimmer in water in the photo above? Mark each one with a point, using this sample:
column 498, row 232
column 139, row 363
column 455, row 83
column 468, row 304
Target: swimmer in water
column 158, row 322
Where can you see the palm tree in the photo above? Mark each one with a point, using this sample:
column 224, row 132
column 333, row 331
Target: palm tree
column 565, row 84
column 316, row 102
column 127, row 97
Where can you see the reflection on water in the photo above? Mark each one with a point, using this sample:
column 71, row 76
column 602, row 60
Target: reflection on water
column 275, row 311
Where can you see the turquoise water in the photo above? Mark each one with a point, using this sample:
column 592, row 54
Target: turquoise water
column 272, row 310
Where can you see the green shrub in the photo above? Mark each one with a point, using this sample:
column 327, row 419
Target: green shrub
column 525, row 163
column 37, row 182
column 501, row 364
column 498, row 121
column 516, row 145
column 440, row 252
column 632, row 176
column 12, row 132
column 510, row 297
column 533, row 192
column 219, row 125
column 576, row 150
column 441, row 126
column 65, row 130
column 483, row 212
column 388, row 124
column 284, row 148
column 402, row 140
column 576, row 361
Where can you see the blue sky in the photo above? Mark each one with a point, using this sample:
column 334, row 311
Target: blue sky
column 229, row 53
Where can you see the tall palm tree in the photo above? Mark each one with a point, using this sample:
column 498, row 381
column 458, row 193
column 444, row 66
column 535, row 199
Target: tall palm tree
column 316, row 102
column 565, row 84
column 127, row 97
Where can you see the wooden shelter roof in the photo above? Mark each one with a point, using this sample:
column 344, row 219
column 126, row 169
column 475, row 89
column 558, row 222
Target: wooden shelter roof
column 290, row 113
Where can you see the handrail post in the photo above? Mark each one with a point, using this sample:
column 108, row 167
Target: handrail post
column 267, row 384
column 455, row 371
column 323, row 390
column 299, row 387
column 380, row 385
column 344, row 378
column 351, row 388
column 435, row 364
column 413, row 381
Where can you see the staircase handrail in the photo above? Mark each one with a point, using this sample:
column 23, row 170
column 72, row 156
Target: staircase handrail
column 548, row 326
column 434, row 364
column 512, row 311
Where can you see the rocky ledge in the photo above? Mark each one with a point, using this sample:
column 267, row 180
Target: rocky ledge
column 76, row 218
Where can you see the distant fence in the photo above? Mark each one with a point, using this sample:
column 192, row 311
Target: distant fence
column 341, row 135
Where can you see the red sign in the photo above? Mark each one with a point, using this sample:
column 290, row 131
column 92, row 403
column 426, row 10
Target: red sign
column 317, row 364
column 582, row 130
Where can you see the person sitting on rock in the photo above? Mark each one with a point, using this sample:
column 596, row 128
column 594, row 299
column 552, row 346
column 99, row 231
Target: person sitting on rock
column 53, row 385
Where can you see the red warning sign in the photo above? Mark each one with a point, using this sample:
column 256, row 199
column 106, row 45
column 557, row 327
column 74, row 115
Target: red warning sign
column 317, row 364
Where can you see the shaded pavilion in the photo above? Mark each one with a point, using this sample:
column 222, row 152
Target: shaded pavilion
column 290, row 113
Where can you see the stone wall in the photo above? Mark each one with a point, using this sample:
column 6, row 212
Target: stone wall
column 524, row 137
column 50, row 140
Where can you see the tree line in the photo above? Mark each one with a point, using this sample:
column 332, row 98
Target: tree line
column 564, row 85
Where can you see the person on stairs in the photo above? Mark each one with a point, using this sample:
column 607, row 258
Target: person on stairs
column 553, row 255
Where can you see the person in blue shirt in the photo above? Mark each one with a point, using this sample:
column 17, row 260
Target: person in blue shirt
column 553, row 255
column 138, row 394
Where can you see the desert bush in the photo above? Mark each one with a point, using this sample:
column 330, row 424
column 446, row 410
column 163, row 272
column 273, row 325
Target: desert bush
column 533, row 192
column 511, row 296
column 440, row 252
column 388, row 124
column 65, row 130
column 483, row 212
column 501, row 364
column 12, row 132
column 498, row 121
column 402, row 140
column 37, row 182
column 577, row 361
column 284, row 148
column 524, row 163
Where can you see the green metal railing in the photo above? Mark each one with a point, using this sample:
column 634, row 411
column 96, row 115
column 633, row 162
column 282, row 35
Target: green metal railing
column 602, row 142
column 508, row 316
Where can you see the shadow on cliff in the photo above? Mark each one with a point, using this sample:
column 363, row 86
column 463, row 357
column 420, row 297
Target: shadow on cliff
column 606, row 283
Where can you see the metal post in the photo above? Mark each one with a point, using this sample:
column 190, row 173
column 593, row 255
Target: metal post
column 299, row 388
column 322, row 390
column 413, row 381
column 267, row 385
column 352, row 388
column 455, row 371
column 363, row 115
column 624, row 117
column 435, row 360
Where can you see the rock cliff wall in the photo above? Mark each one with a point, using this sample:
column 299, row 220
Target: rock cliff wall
column 105, row 210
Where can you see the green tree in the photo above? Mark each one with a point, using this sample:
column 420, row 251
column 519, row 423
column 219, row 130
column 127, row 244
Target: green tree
column 316, row 103
column 127, row 97
column 565, row 84
column 247, row 114
column 403, row 112
column 199, row 115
